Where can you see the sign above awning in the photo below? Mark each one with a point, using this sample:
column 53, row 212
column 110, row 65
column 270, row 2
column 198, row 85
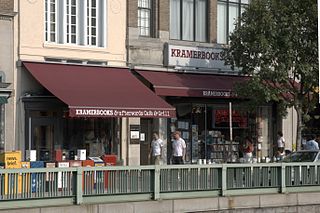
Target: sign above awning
column 100, row 91
column 199, row 57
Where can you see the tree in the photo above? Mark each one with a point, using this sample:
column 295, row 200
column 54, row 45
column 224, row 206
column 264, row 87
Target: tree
column 277, row 45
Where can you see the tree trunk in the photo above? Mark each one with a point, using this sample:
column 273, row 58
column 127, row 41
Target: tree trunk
column 299, row 128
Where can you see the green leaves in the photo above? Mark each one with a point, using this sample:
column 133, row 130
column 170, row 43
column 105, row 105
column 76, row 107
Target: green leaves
column 277, row 43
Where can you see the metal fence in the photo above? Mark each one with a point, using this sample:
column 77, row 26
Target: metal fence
column 56, row 186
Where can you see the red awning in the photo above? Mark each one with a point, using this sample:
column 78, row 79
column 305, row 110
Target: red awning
column 99, row 91
column 192, row 85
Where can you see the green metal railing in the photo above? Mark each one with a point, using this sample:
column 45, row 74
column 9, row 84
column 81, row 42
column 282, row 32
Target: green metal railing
column 57, row 186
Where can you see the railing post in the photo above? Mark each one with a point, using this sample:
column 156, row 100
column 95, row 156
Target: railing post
column 283, row 179
column 79, row 182
column 156, row 195
column 224, row 180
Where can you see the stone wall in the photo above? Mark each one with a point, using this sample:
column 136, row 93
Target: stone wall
column 6, row 5
column 294, row 202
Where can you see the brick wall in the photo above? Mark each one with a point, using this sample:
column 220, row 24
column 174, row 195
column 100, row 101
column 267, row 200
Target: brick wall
column 132, row 13
column 164, row 15
column 6, row 5
column 212, row 21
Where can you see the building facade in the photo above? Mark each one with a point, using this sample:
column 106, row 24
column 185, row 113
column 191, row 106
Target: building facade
column 175, row 47
column 72, row 88
column 7, row 75
column 104, row 75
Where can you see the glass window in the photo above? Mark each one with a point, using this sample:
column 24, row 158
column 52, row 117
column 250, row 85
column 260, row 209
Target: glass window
column 228, row 13
column 79, row 22
column 71, row 17
column 144, row 17
column 50, row 20
column 208, row 133
column 47, row 134
column 175, row 15
column 92, row 22
column 188, row 20
column 97, row 136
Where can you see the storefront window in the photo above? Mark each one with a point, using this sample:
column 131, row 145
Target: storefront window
column 97, row 136
column 49, row 131
column 208, row 133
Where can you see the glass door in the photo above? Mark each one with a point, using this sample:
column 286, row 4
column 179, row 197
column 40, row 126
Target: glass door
column 199, row 133
column 42, row 138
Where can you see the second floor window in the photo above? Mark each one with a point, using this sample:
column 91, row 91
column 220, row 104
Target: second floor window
column 189, row 20
column 228, row 12
column 51, row 20
column 144, row 17
column 71, row 18
column 76, row 22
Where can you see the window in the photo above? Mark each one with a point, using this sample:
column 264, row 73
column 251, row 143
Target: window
column 71, row 17
column 228, row 13
column 76, row 22
column 188, row 20
column 50, row 20
column 144, row 17
column 92, row 22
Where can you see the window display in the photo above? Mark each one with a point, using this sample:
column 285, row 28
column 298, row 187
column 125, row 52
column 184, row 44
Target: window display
column 206, row 129
column 51, row 134
column 96, row 136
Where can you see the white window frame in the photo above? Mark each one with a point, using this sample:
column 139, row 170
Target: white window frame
column 194, row 24
column 226, row 19
column 141, row 20
column 48, row 21
column 89, row 26
column 68, row 16
column 81, row 34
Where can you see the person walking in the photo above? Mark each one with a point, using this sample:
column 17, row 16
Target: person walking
column 178, row 148
column 280, row 142
column 156, row 148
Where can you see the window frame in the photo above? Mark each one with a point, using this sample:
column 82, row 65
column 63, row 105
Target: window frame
column 48, row 21
column 239, row 4
column 63, row 37
column 194, row 23
column 89, row 27
column 69, row 17
column 151, row 14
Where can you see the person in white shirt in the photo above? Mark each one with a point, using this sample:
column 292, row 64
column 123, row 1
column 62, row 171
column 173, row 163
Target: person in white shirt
column 156, row 148
column 280, row 142
column 178, row 148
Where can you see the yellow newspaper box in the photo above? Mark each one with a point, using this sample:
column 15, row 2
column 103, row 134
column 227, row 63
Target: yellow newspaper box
column 12, row 160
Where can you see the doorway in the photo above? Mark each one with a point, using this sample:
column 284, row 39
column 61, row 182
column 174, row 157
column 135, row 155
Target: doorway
column 146, row 127
column 43, row 137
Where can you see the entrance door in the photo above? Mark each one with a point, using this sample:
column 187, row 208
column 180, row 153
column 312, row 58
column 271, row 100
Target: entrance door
column 43, row 134
column 145, row 141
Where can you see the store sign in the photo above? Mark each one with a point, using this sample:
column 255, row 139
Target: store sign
column 89, row 112
column 216, row 93
column 221, row 118
column 197, row 57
